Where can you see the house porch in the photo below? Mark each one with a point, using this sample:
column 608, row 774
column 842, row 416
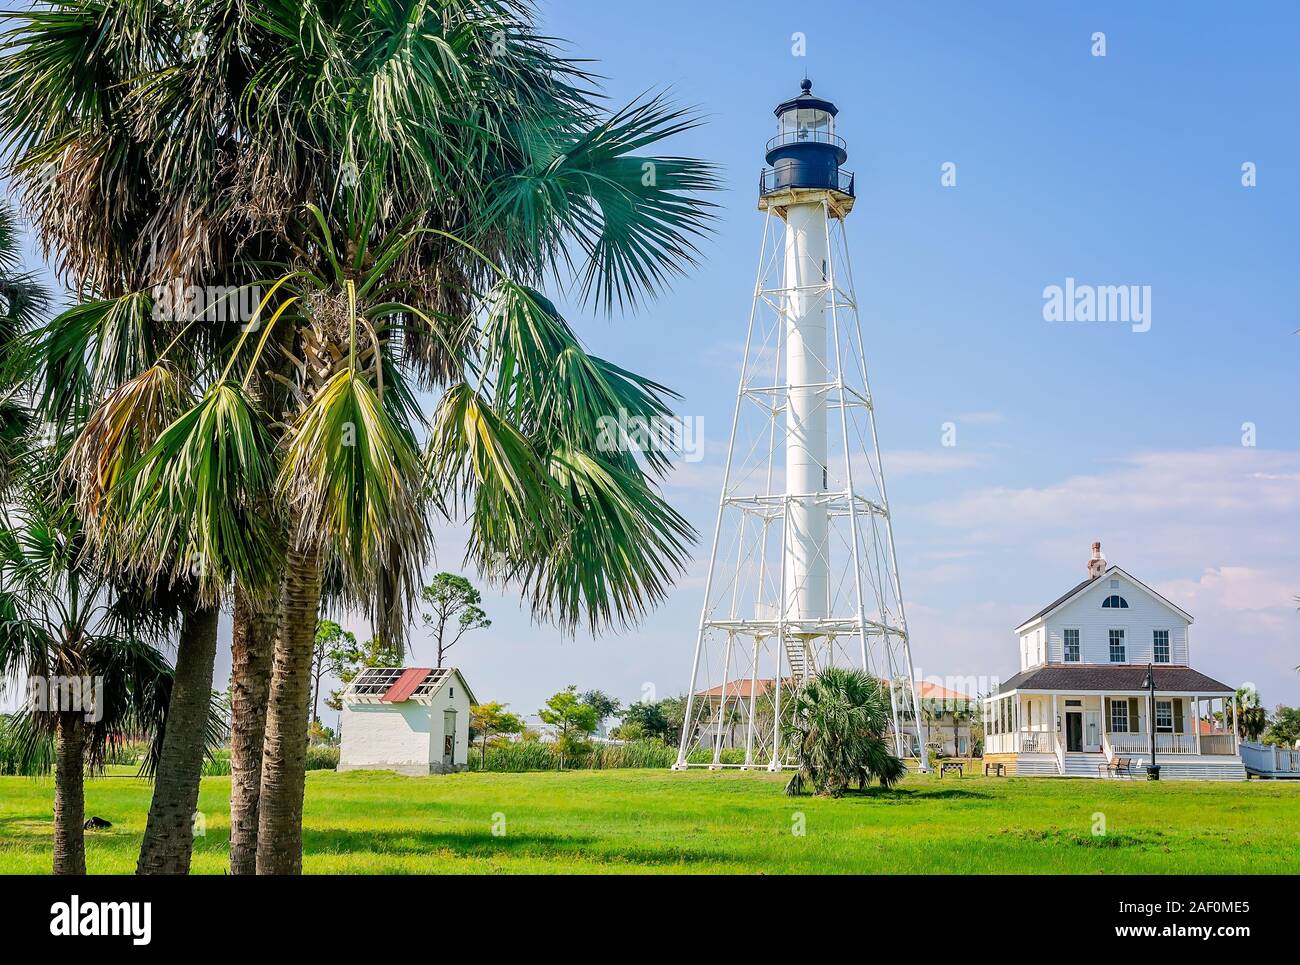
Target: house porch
column 1062, row 732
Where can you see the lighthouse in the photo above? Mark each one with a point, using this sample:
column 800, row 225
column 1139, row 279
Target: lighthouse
column 802, row 573
column 804, row 161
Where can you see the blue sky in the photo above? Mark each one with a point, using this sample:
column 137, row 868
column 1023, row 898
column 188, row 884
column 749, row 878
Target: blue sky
column 1115, row 170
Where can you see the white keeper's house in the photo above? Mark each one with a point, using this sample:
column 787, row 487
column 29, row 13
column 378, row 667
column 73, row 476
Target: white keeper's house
column 413, row 720
column 1081, row 705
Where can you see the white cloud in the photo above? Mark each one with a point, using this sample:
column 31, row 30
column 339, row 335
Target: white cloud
column 1205, row 481
column 1211, row 529
column 915, row 462
column 1240, row 588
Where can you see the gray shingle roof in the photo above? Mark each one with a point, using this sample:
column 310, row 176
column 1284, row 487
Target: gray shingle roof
column 1059, row 600
column 1120, row 677
column 1093, row 579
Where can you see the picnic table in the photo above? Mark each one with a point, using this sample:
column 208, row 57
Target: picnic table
column 951, row 766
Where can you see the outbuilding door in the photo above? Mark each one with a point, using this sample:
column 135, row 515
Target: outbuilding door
column 448, row 738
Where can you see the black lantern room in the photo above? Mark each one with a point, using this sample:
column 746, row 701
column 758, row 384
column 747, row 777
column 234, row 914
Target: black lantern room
column 806, row 152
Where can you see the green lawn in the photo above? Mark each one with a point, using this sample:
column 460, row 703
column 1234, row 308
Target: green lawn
column 659, row 821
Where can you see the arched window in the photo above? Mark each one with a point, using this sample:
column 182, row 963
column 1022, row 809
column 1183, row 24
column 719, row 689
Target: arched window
column 1114, row 602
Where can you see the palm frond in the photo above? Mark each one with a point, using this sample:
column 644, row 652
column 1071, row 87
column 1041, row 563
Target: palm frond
column 615, row 552
column 193, row 506
column 480, row 461
column 121, row 429
column 90, row 349
column 352, row 480
column 636, row 218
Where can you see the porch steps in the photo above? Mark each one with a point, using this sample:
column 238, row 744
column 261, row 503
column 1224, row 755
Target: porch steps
column 1229, row 770
column 1040, row 766
column 1083, row 765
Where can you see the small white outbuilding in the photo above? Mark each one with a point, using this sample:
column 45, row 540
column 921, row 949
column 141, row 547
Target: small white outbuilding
column 413, row 720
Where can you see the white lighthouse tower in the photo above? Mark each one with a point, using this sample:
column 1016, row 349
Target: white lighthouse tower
column 802, row 574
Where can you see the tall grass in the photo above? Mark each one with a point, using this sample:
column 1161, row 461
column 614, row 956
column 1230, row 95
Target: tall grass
column 217, row 764
column 17, row 757
column 321, row 757
column 521, row 756
column 516, row 756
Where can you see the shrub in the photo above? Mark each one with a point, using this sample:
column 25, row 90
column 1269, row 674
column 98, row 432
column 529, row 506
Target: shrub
column 641, row 753
column 217, row 764
column 838, row 730
column 321, row 757
column 729, row 755
column 536, row 756
column 126, row 753
column 17, row 756
column 517, row 756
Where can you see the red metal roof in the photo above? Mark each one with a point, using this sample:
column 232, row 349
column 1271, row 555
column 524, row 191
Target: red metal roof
column 741, row 688
column 411, row 678
column 931, row 691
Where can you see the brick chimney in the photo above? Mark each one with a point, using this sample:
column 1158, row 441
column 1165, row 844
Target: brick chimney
column 1097, row 563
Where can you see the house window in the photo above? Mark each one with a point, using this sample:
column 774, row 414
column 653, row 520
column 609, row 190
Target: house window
column 1164, row 716
column 1114, row 584
column 1161, row 645
column 1072, row 645
column 1117, row 646
column 1114, row 602
column 1119, row 716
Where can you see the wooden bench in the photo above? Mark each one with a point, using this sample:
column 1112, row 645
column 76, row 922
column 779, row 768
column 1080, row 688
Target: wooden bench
column 999, row 770
column 951, row 766
column 1120, row 765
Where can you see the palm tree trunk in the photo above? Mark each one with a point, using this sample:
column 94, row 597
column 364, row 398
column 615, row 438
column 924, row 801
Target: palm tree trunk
column 168, row 834
column 69, row 797
column 279, row 836
column 252, row 646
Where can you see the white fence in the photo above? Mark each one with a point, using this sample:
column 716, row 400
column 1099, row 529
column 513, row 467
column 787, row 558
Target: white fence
column 1270, row 760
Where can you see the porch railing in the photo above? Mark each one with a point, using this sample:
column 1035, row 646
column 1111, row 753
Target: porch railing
column 1020, row 742
column 1218, row 744
column 1129, row 744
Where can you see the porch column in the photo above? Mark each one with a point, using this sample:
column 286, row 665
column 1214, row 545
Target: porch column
column 1053, row 724
column 1235, row 738
column 1196, row 722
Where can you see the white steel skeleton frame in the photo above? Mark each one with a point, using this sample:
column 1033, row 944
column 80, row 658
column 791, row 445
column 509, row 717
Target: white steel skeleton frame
column 751, row 650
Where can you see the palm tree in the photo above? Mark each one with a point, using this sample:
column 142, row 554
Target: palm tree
column 961, row 711
column 23, row 302
column 838, row 731
column 64, row 630
column 1252, row 718
column 443, row 160
column 63, row 624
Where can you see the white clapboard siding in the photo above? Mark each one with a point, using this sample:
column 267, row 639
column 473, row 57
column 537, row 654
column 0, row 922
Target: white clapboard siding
column 1145, row 614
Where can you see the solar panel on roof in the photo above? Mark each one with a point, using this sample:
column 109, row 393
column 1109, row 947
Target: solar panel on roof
column 374, row 681
column 432, row 682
